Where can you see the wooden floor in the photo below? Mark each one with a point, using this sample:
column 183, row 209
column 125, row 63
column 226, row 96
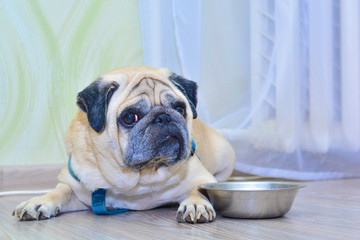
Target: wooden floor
column 322, row 210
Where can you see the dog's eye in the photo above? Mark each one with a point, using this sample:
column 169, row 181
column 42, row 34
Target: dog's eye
column 130, row 118
column 181, row 110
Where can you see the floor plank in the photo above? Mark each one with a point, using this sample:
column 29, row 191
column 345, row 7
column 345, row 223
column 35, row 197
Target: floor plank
column 322, row 210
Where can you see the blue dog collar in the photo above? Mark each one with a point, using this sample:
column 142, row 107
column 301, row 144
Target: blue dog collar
column 71, row 171
column 98, row 204
column 193, row 148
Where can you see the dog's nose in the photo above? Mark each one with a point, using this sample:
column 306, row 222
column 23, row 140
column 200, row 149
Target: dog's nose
column 162, row 118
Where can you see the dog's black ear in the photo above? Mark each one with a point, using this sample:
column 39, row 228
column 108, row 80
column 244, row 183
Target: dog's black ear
column 94, row 101
column 188, row 88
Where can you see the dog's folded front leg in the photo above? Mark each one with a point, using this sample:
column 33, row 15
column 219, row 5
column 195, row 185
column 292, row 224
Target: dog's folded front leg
column 196, row 208
column 49, row 205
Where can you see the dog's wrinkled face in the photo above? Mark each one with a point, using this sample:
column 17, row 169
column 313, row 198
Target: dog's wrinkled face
column 156, row 126
column 153, row 120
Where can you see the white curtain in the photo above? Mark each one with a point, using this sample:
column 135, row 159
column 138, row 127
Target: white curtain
column 279, row 79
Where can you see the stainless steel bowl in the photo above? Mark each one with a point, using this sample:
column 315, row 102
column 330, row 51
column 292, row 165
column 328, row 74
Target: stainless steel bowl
column 255, row 199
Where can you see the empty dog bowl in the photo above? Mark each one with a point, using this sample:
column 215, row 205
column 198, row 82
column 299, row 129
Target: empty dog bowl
column 255, row 199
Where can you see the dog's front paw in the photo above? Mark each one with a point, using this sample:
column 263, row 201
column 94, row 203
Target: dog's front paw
column 196, row 212
column 38, row 208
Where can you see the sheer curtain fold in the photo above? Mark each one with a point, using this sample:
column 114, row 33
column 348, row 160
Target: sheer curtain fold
column 158, row 34
column 278, row 78
column 350, row 72
column 171, row 35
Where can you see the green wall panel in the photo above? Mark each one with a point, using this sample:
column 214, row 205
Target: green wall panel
column 49, row 51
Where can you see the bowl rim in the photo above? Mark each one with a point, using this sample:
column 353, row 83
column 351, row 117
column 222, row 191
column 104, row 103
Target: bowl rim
column 292, row 186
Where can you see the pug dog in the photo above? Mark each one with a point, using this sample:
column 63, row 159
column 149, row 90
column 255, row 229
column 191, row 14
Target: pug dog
column 136, row 139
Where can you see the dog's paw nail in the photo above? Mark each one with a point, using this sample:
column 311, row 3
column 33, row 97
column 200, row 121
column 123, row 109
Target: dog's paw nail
column 57, row 212
column 40, row 216
column 192, row 217
column 22, row 214
column 25, row 216
column 13, row 213
column 211, row 212
column 188, row 219
column 211, row 216
column 179, row 216
column 198, row 215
